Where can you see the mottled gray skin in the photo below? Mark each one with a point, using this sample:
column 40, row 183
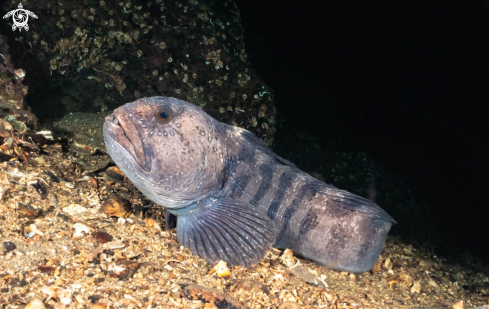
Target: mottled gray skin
column 222, row 182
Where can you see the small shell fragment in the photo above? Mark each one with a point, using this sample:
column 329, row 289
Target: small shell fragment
column 80, row 230
column 81, row 148
column 46, row 269
column 4, row 185
column 433, row 283
column 50, row 291
column 65, row 300
column 117, row 270
column 93, row 164
column 212, row 297
column 5, row 126
column 150, row 223
column 27, row 211
column 289, row 305
column 116, row 245
column 103, row 237
column 458, row 305
column 79, row 299
column 221, row 269
column 288, row 258
column 377, row 267
column 392, row 283
column 74, row 209
column 69, row 185
column 416, row 288
column 46, row 134
column 122, row 268
column 38, row 161
column 31, row 230
column 305, row 273
column 288, row 298
column 35, row 304
column 113, row 173
column 116, row 206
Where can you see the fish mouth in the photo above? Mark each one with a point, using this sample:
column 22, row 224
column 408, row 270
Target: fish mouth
column 124, row 132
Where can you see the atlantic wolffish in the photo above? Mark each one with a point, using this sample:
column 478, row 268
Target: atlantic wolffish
column 233, row 197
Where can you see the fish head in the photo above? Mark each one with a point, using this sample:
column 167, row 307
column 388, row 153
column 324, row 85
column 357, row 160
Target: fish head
column 169, row 149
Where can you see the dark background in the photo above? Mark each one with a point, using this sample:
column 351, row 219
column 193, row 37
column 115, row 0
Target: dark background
column 405, row 81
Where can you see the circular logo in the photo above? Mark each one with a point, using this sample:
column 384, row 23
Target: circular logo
column 20, row 18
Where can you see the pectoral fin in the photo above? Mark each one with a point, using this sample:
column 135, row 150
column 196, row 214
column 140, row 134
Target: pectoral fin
column 226, row 229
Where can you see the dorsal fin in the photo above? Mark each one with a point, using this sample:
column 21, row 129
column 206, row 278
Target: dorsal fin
column 253, row 141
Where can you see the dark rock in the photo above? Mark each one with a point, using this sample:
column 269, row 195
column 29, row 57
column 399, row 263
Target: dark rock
column 52, row 176
column 211, row 296
column 41, row 189
column 16, row 282
column 8, row 246
column 27, row 211
column 103, row 237
column 116, row 206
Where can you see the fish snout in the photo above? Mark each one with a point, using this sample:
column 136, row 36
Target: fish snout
column 111, row 118
column 122, row 130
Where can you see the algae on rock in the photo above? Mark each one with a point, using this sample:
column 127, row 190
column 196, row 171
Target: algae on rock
column 97, row 55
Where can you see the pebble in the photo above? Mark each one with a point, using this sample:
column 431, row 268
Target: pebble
column 116, row 245
column 290, row 305
column 80, row 230
column 103, row 237
column 8, row 246
column 74, row 209
column 116, row 206
column 416, row 288
column 35, row 304
column 222, row 270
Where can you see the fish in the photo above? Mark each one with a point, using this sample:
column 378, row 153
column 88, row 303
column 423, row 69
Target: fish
column 233, row 198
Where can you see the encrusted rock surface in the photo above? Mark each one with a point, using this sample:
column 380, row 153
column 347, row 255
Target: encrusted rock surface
column 97, row 55
column 11, row 89
column 13, row 107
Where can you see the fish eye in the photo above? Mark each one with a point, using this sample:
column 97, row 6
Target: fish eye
column 164, row 115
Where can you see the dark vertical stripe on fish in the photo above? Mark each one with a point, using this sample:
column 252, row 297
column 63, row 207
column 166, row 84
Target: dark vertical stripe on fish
column 266, row 178
column 309, row 222
column 302, row 197
column 285, row 182
column 239, row 184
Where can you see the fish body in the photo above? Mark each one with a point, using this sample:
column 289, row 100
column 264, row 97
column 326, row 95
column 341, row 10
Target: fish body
column 233, row 197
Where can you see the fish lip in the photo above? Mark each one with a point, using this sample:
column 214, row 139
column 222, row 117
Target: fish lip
column 116, row 131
